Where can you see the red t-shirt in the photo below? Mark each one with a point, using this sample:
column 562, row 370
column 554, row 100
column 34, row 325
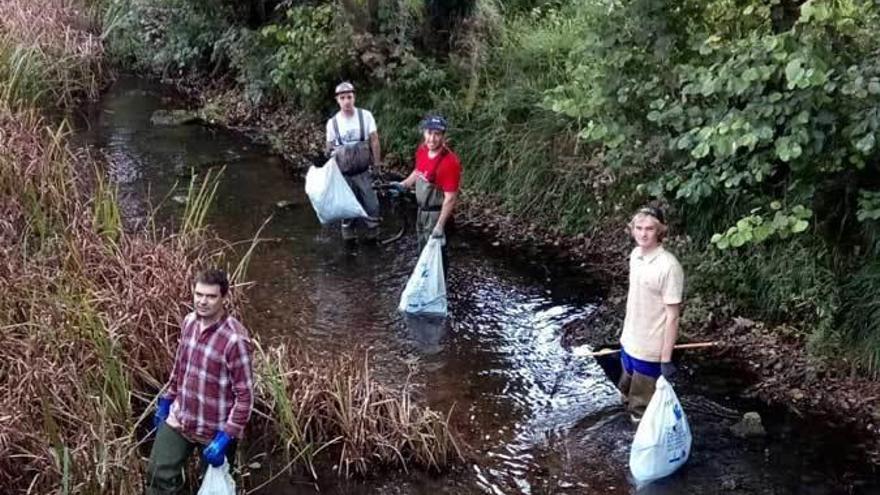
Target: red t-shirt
column 444, row 170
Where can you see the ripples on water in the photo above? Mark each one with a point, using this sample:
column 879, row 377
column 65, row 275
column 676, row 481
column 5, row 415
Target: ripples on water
column 537, row 418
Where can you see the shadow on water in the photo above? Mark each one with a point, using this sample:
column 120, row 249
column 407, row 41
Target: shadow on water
column 535, row 417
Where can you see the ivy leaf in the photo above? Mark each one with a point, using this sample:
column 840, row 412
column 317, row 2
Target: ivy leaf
column 799, row 226
column 783, row 149
column 794, row 71
column 866, row 143
column 700, row 151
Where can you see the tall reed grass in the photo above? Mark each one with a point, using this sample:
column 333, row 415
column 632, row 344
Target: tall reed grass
column 49, row 53
column 339, row 411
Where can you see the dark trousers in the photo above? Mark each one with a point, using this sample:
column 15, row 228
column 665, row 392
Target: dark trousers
column 637, row 382
column 168, row 458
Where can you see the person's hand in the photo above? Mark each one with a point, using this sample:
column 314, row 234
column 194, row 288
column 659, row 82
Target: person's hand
column 163, row 407
column 668, row 370
column 438, row 234
column 397, row 187
column 215, row 453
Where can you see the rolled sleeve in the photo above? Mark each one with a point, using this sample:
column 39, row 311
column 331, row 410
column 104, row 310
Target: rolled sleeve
column 241, row 373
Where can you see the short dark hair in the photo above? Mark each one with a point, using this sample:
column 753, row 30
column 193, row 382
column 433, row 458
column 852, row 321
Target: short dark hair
column 214, row 276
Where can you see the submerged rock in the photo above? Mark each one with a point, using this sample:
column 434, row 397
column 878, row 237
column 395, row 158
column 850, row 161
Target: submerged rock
column 174, row 117
column 749, row 427
column 284, row 204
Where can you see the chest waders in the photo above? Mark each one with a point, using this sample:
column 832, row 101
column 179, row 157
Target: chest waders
column 354, row 161
column 430, row 201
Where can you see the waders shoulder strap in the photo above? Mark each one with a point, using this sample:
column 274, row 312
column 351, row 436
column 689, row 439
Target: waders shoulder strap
column 361, row 124
column 336, row 130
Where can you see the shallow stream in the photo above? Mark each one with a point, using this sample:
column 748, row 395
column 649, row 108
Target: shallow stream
column 537, row 418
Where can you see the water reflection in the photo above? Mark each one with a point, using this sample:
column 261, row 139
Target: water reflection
column 426, row 332
column 536, row 417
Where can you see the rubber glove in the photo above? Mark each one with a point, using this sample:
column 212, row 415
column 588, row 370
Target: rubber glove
column 397, row 186
column 668, row 370
column 163, row 407
column 215, row 453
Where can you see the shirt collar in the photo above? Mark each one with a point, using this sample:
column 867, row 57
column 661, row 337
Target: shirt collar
column 213, row 326
column 650, row 257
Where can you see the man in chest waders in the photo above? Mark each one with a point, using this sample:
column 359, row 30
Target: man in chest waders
column 353, row 139
column 436, row 178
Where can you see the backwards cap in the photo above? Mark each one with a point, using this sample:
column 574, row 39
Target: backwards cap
column 654, row 212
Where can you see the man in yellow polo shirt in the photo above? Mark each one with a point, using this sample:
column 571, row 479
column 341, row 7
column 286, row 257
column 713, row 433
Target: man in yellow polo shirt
column 653, row 305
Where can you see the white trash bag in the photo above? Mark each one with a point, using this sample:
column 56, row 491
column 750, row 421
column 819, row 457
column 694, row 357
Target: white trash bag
column 218, row 481
column 663, row 439
column 425, row 291
column 330, row 194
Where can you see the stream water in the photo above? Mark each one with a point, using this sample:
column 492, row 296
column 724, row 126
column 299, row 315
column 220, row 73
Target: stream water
column 536, row 418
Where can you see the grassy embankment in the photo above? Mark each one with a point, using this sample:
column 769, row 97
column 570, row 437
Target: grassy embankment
column 88, row 310
column 755, row 124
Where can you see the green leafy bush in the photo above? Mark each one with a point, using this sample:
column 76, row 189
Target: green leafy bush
column 312, row 50
column 167, row 36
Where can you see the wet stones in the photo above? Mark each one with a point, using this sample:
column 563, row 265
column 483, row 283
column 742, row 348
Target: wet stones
column 168, row 118
column 749, row 427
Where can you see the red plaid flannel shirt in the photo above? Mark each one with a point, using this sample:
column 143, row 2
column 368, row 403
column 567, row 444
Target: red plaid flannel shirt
column 212, row 381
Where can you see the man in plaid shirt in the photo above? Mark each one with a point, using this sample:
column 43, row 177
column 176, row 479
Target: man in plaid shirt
column 209, row 396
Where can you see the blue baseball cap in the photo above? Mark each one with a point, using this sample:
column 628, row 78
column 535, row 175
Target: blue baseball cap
column 434, row 123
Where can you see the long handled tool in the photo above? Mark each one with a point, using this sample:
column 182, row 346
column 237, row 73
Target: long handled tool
column 607, row 352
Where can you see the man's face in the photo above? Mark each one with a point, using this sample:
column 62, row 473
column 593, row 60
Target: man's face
column 434, row 139
column 645, row 231
column 346, row 101
column 207, row 300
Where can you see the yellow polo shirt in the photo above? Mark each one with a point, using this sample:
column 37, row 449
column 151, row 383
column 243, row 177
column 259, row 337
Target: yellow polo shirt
column 655, row 280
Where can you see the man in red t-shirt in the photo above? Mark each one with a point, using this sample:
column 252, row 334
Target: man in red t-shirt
column 436, row 178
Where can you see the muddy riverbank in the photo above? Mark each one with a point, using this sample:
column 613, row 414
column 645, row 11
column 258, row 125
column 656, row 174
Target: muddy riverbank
column 536, row 417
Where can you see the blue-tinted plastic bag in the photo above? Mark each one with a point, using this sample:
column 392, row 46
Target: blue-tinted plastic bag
column 663, row 439
column 425, row 291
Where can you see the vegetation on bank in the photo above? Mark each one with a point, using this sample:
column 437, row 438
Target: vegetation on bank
column 89, row 308
column 755, row 122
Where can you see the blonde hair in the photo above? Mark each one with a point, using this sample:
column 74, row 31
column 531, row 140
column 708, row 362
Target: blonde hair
column 662, row 228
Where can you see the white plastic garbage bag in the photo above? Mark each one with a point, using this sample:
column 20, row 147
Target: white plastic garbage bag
column 663, row 439
column 218, row 481
column 330, row 195
column 425, row 291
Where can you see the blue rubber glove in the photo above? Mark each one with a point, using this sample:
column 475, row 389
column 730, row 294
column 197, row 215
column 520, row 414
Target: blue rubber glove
column 396, row 188
column 215, row 453
column 163, row 407
column 668, row 370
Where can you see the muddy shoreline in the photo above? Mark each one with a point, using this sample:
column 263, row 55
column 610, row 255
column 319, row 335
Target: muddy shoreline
column 772, row 367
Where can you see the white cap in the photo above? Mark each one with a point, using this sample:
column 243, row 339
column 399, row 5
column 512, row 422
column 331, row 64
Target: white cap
column 345, row 87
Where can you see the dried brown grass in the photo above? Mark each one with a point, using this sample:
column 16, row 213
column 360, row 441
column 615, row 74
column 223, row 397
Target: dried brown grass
column 89, row 312
column 51, row 53
column 336, row 412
